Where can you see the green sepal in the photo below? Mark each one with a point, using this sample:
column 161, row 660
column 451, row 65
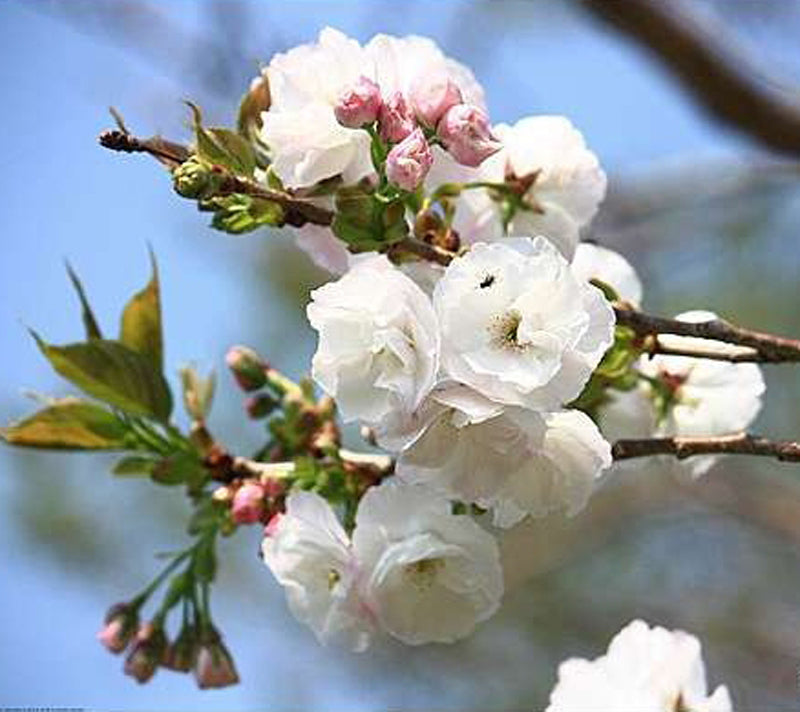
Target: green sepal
column 69, row 424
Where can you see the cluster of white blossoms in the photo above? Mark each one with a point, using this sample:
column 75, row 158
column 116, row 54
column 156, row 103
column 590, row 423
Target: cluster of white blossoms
column 466, row 372
column 411, row 568
column 681, row 396
column 468, row 387
column 645, row 670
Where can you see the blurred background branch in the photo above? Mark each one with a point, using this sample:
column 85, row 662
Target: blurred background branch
column 703, row 56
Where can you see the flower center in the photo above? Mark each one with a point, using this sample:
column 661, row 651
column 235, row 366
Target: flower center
column 504, row 331
column 333, row 578
column 422, row 574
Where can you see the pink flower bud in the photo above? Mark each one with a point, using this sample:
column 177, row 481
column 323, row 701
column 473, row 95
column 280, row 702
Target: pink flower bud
column 395, row 119
column 359, row 104
column 248, row 503
column 214, row 665
column 432, row 96
column 409, row 161
column 248, row 368
column 467, row 135
column 120, row 624
column 147, row 652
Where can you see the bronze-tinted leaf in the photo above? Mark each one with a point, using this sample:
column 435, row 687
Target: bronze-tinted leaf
column 69, row 424
column 114, row 373
column 89, row 320
column 140, row 328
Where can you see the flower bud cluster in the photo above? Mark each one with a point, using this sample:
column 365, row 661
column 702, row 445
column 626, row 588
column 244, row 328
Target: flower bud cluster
column 198, row 648
column 256, row 500
column 433, row 110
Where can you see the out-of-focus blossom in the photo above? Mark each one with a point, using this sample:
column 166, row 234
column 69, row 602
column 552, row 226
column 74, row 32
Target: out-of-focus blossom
column 646, row 670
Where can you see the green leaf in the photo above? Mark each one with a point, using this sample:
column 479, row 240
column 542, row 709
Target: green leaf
column 69, row 424
column 223, row 147
column 134, row 465
column 239, row 213
column 140, row 327
column 89, row 321
column 178, row 469
column 365, row 222
column 112, row 372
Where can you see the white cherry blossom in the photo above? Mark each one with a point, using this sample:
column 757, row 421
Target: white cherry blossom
column 429, row 575
column 306, row 142
column 378, row 349
column 505, row 458
column 517, row 326
column 567, row 184
column 596, row 262
column 711, row 397
column 645, row 670
column 309, row 554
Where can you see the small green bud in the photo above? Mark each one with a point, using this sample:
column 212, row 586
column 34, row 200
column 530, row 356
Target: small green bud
column 192, row 178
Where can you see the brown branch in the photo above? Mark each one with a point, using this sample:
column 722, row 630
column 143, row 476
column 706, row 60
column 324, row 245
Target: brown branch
column 740, row 444
column 766, row 347
column 169, row 153
column 718, row 78
column 297, row 212
column 425, row 251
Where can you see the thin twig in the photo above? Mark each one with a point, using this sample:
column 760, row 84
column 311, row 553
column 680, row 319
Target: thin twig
column 425, row 251
column 739, row 444
column 767, row 348
column 297, row 212
column 720, row 79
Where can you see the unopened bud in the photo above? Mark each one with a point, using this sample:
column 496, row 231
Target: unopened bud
column 181, row 654
column 359, row 104
column 248, row 503
column 248, row 368
column 121, row 623
column 147, row 652
column 395, row 120
column 192, row 178
column 467, row 135
column 260, row 405
column 409, row 161
column 214, row 666
column 198, row 392
column 432, row 96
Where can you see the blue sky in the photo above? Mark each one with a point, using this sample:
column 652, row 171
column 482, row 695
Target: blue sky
column 64, row 197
